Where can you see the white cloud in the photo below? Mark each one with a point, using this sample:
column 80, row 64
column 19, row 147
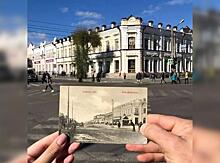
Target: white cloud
column 87, row 23
column 64, row 9
column 179, row 2
column 151, row 9
column 88, row 14
column 36, row 35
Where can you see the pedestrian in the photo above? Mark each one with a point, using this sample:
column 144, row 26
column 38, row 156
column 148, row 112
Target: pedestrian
column 173, row 77
column 44, row 78
column 48, row 80
column 186, row 77
column 124, row 74
column 93, row 76
column 138, row 77
column 139, row 126
column 133, row 126
column 178, row 77
column 153, row 77
column 163, row 78
column 74, row 73
column 98, row 76
column 119, row 124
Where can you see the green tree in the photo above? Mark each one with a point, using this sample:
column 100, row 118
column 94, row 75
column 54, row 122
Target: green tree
column 84, row 41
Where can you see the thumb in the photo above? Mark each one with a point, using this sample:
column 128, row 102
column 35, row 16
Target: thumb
column 51, row 152
column 159, row 135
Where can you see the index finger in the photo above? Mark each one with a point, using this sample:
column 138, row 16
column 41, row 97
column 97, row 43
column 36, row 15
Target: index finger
column 40, row 146
column 166, row 122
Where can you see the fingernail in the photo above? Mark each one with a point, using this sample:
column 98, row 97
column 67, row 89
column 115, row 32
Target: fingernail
column 143, row 127
column 62, row 139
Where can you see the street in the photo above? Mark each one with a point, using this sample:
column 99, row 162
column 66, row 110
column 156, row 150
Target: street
column 43, row 114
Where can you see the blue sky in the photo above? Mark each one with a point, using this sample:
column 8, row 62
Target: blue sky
column 62, row 16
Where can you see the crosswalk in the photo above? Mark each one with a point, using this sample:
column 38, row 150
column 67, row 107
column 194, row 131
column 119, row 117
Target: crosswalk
column 151, row 93
column 43, row 129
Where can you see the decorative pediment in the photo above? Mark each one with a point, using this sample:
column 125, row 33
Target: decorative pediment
column 131, row 20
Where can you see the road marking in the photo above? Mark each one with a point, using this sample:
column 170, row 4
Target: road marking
column 53, row 119
column 55, row 94
column 35, row 137
column 163, row 93
column 37, row 85
column 176, row 93
column 55, row 127
column 34, row 93
column 151, row 94
column 187, row 92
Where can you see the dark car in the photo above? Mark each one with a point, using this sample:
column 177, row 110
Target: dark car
column 31, row 75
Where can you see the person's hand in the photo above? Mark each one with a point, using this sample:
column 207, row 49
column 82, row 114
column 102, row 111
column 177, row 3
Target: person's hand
column 53, row 148
column 170, row 140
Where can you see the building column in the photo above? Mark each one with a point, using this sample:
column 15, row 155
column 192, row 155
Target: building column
column 168, row 67
column 163, row 65
column 181, row 70
column 185, row 64
column 160, row 65
column 157, row 68
column 149, row 62
column 152, row 66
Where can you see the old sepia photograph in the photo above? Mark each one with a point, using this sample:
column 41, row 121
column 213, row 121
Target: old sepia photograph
column 107, row 115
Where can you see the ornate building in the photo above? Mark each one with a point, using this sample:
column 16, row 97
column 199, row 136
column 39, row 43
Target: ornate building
column 129, row 48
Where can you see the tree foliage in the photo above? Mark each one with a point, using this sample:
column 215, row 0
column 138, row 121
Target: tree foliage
column 84, row 41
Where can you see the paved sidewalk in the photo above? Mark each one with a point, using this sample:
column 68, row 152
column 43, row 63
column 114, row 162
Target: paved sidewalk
column 119, row 80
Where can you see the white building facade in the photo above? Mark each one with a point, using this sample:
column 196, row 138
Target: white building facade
column 129, row 48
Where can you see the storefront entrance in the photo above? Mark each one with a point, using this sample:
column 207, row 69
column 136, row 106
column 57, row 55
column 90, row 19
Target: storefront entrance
column 131, row 66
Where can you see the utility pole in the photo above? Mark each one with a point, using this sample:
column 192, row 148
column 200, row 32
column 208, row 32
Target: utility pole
column 173, row 44
column 112, row 111
column 68, row 109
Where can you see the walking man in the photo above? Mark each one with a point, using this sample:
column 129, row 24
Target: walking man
column 174, row 77
column 119, row 124
column 48, row 80
column 163, row 78
column 133, row 126
column 124, row 75
column 138, row 77
column 186, row 77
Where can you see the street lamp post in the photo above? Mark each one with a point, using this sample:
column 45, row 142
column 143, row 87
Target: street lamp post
column 173, row 44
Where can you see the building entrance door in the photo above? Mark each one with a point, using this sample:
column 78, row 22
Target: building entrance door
column 146, row 66
column 136, row 120
column 131, row 66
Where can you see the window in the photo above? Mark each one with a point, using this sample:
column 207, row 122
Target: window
column 117, row 66
column 146, row 44
column 155, row 44
column 107, row 46
column 131, row 43
column 136, row 112
column 145, row 110
column 70, row 51
column 165, row 45
column 65, row 52
column 131, row 65
column 116, row 44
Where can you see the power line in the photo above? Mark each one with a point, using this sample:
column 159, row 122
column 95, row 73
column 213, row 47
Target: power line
column 52, row 34
column 59, row 31
column 49, row 27
column 64, row 25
